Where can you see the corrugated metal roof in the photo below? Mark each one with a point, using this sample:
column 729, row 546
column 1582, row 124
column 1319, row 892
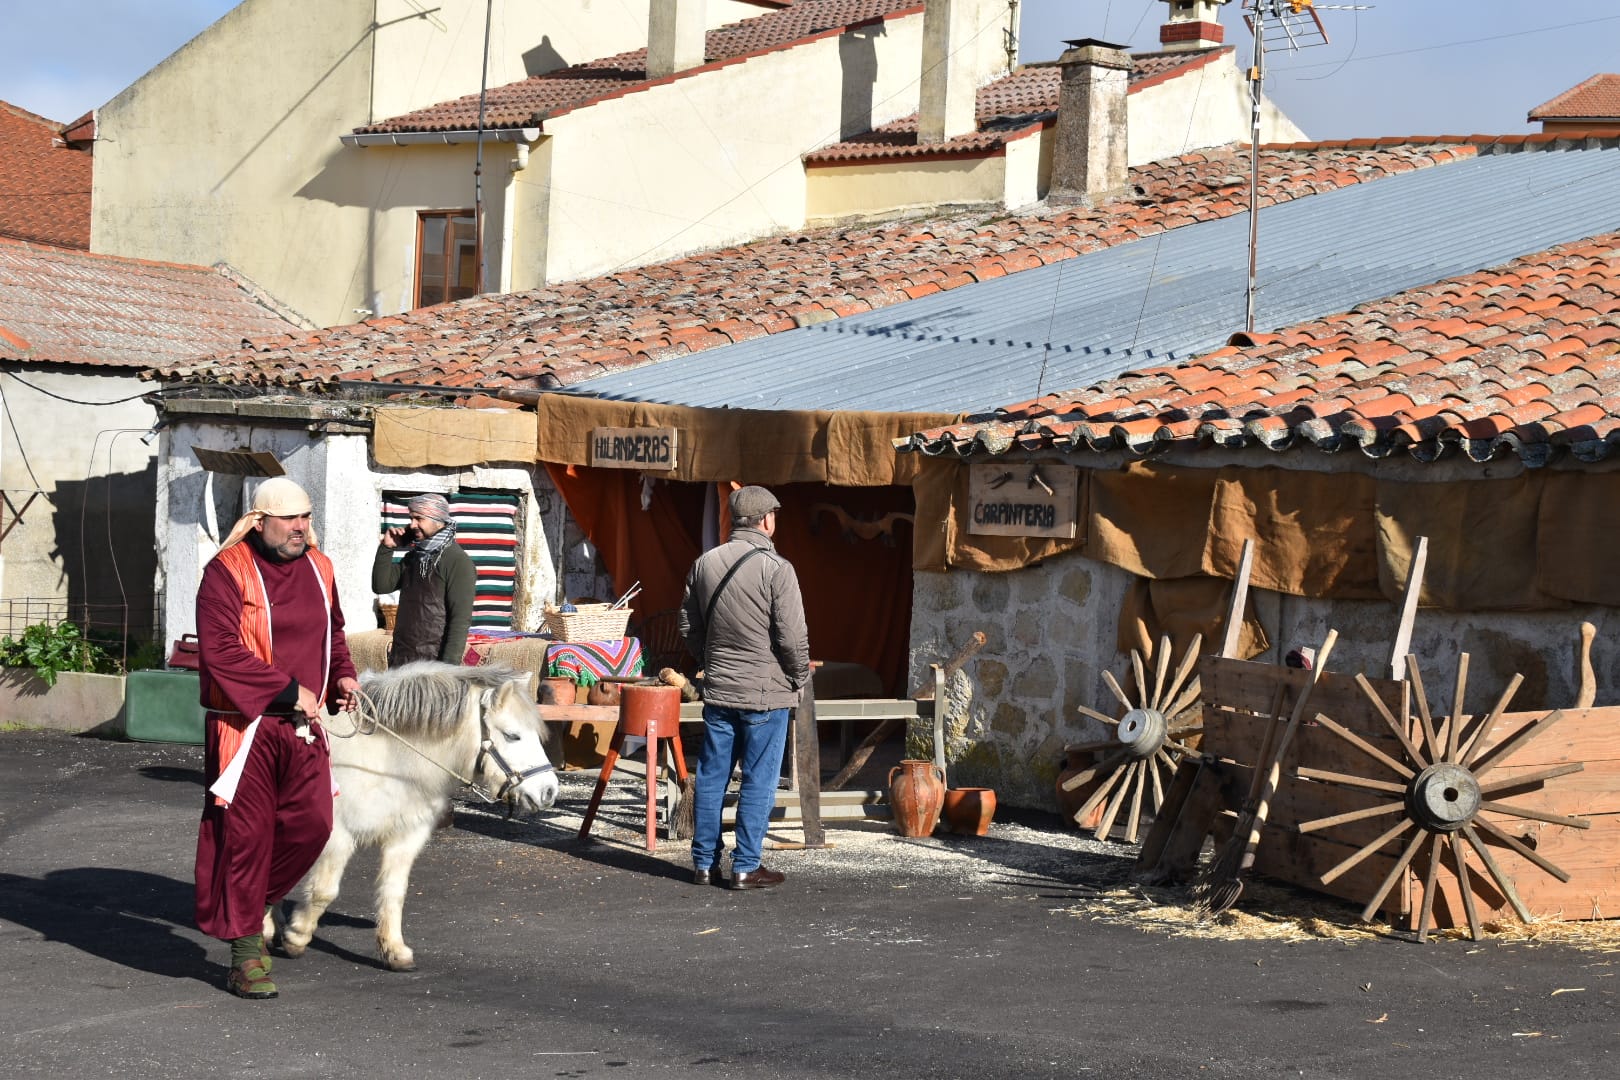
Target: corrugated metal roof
column 983, row 345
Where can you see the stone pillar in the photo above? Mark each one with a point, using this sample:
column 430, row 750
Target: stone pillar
column 948, row 107
column 675, row 37
column 1090, row 143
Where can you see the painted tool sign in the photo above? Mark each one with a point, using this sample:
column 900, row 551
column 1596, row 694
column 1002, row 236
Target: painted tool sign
column 1023, row 500
column 648, row 449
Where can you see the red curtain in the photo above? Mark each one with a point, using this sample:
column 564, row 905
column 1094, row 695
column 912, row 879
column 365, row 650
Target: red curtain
column 851, row 550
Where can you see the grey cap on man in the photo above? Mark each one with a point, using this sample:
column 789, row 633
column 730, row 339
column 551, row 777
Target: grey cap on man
column 752, row 502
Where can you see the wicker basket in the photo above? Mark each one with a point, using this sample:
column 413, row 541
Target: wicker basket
column 592, row 622
column 390, row 612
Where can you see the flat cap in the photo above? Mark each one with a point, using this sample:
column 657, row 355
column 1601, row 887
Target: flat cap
column 752, row 502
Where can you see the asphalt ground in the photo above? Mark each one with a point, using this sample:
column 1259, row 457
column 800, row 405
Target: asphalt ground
column 542, row 956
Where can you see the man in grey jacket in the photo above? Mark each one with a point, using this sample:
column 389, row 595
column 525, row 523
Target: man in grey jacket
column 743, row 619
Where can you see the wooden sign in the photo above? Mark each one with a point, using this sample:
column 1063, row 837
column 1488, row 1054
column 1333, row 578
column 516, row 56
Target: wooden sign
column 1035, row 499
column 647, row 449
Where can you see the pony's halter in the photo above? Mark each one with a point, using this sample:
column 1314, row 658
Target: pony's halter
column 514, row 778
column 364, row 717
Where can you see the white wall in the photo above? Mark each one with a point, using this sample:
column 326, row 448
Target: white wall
column 714, row 158
column 1206, row 107
column 228, row 150
column 90, row 523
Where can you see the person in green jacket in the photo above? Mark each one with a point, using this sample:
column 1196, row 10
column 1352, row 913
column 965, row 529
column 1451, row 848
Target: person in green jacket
column 436, row 582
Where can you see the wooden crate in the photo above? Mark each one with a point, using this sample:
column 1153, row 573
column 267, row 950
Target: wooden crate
column 1237, row 696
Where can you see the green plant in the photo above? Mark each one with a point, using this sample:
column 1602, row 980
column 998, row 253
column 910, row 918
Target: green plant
column 52, row 649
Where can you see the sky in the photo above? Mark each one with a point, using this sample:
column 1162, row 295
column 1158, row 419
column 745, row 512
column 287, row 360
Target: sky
column 1401, row 67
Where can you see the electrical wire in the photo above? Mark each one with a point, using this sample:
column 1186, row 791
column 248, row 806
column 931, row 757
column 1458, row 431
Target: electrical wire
column 76, row 401
column 5, row 406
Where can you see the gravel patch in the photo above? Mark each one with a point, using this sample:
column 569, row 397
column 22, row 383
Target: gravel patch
column 1015, row 855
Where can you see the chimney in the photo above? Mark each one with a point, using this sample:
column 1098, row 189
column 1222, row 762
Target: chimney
column 1090, row 143
column 948, row 105
column 1194, row 24
column 675, row 37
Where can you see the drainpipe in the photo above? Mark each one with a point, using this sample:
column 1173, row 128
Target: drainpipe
column 518, row 162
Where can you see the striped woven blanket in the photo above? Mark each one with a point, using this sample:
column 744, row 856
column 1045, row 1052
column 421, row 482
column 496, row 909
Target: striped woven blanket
column 588, row 662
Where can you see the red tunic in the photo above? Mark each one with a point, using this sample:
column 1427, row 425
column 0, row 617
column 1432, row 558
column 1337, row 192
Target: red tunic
column 251, row 853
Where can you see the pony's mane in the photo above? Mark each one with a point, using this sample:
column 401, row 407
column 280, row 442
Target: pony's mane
column 426, row 697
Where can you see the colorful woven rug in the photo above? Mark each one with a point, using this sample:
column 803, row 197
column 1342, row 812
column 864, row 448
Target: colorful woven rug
column 588, row 662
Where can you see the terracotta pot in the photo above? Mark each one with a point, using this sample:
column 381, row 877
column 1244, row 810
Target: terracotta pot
column 916, row 797
column 557, row 691
column 1075, row 762
column 968, row 810
column 603, row 693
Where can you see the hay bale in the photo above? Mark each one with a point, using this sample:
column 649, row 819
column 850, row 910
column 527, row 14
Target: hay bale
column 369, row 649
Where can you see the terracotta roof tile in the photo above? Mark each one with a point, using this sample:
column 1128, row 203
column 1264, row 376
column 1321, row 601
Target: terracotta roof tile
column 44, row 183
column 1597, row 98
column 1526, row 393
column 529, row 102
column 1017, row 104
column 529, row 339
column 61, row 306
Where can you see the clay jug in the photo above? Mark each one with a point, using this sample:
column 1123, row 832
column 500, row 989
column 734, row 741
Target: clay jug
column 969, row 810
column 557, row 691
column 916, row 797
column 603, row 693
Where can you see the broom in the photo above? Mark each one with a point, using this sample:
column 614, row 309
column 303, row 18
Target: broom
column 1221, row 882
column 681, row 824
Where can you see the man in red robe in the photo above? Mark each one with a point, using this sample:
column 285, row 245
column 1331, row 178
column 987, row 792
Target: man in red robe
column 270, row 631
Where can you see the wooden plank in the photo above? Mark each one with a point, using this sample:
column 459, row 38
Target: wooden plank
column 1238, row 603
column 1246, row 686
column 692, row 711
column 1409, row 603
column 1170, row 809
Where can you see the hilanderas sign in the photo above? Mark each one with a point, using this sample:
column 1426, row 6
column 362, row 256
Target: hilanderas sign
column 645, row 448
column 1023, row 500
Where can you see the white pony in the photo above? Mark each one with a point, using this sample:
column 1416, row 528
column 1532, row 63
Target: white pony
column 451, row 721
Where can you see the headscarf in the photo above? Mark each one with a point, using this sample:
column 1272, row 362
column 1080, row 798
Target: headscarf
column 426, row 552
column 276, row 497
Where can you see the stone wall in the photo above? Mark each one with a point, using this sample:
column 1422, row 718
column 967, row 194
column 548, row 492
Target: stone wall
column 1052, row 628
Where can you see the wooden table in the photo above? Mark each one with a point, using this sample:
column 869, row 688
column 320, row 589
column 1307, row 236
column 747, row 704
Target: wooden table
column 803, row 798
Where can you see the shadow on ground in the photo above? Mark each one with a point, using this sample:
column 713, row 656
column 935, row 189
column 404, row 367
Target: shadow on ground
column 129, row 917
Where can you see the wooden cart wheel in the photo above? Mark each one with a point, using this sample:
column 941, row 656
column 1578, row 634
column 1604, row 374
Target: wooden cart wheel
column 1440, row 791
column 1150, row 737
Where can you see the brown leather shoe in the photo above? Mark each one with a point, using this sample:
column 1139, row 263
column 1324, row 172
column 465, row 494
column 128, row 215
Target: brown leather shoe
column 708, row 877
column 758, row 878
column 250, row 979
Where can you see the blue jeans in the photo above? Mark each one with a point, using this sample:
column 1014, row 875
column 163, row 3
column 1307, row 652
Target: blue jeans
column 754, row 740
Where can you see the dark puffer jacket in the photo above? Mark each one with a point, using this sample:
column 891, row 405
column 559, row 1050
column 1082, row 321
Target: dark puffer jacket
column 756, row 653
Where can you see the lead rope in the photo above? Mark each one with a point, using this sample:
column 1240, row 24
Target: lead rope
column 363, row 720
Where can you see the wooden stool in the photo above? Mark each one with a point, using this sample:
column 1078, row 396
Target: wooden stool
column 653, row 712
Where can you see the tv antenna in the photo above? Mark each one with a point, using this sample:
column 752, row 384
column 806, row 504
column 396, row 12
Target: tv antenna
column 1275, row 24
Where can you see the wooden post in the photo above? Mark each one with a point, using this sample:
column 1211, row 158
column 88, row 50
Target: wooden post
column 807, row 766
